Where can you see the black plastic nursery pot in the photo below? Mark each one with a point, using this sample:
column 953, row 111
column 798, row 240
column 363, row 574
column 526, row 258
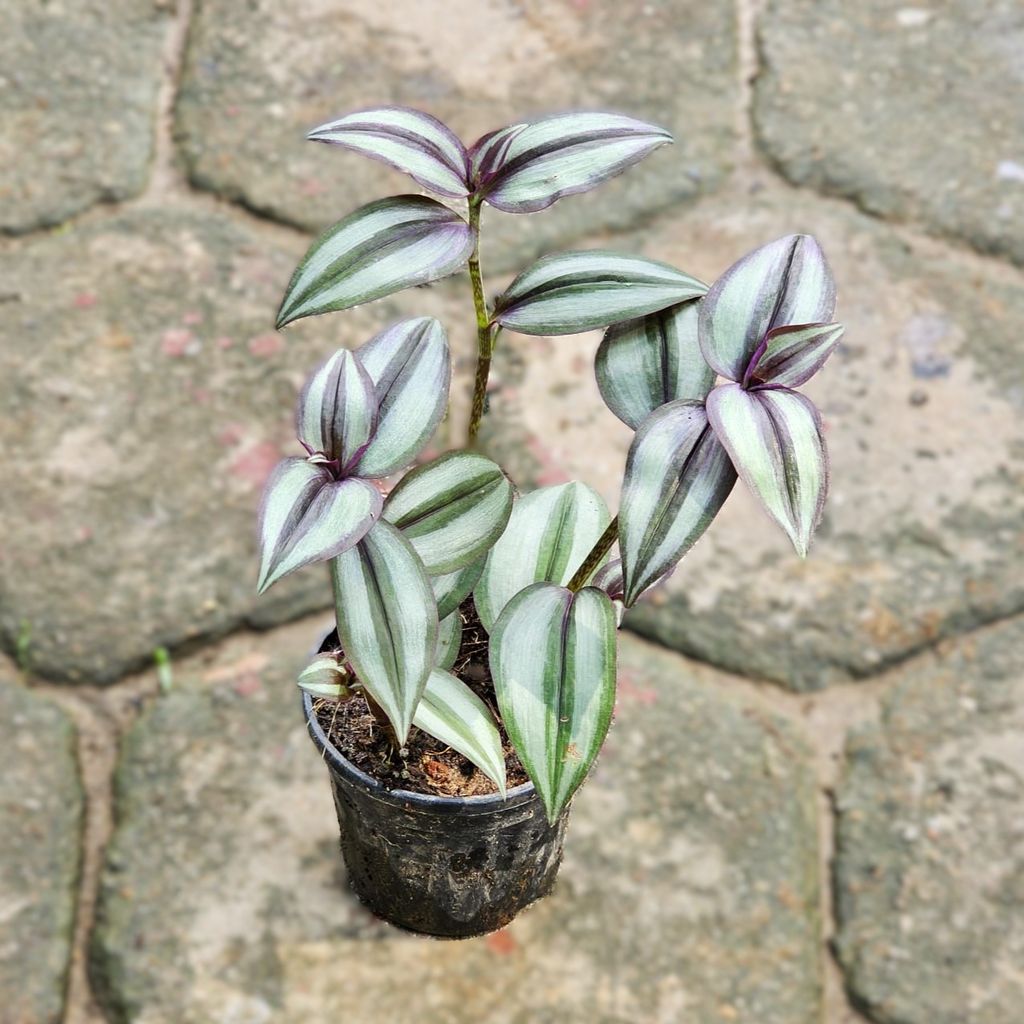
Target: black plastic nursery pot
column 451, row 867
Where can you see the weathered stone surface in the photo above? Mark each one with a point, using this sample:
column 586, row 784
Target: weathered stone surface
column 144, row 398
column 914, row 111
column 924, row 529
column 689, row 889
column 259, row 76
column 78, row 96
column 930, row 866
column 40, row 824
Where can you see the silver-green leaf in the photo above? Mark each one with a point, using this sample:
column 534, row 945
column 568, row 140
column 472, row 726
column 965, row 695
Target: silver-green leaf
column 381, row 248
column 526, row 168
column 775, row 440
column 414, row 142
column 677, row 478
column 642, row 364
column 410, row 366
column 452, row 509
column 785, row 282
column 453, row 588
column 549, row 534
column 308, row 516
column 337, row 411
column 387, row 621
column 570, row 292
column 552, row 658
column 449, row 638
column 452, row 713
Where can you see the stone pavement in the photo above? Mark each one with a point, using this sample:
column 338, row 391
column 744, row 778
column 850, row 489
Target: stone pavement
column 809, row 808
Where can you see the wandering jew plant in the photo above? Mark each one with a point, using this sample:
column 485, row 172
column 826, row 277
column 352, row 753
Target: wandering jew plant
column 706, row 377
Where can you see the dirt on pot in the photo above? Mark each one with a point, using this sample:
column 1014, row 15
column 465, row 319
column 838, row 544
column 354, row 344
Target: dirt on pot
column 423, row 765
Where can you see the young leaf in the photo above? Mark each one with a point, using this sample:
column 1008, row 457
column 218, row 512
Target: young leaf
column 610, row 579
column 677, row 478
column 308, row 516
column 449, row 637
column 489, row 153
column 642, row 364
column 571, row 292
column 410, row 366
column 785, row 282
column 528, row 167
column 774, row 439
column 407, row 139
column 338, row 410
column 791, row 356
column 452, row 713
column 387, row 621
column 324, row 676
column 552, row 657
column 550, row 532
column 379, row 249
column 453, row 588
column 451, row 510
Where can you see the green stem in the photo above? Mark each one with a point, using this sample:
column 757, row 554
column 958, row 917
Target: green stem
column 594, row 559
column 484, row 332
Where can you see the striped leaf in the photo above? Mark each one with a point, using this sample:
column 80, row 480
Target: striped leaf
column 453, row 588
column 451, row 510
column 449, row 638
column 489, row 153
column 552, row 657
column 785, row 282
column 308, row 516
column 387, row 621
column 774, row 438
column 642, row 364
column 571, row 292
column 791, row 356
column 610, row 579
column 381, row 248
column 677, row 478
column 414, row 142
column 452, row 713
column 325, row 676
column 550, row 532
column 338, row 410
column 410, row 366
column 526, row 168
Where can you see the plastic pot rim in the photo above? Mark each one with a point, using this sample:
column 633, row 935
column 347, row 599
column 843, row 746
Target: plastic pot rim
column 456, row 805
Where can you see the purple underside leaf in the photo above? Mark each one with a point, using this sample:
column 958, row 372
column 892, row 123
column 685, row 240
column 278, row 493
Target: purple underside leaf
column 378, row 249
column 610, row 579
column 410, row 140
column 309, row 516
column 677, row 478
column 775, row 440
column 526, row 168
column 790, row 356
column 337, row 412
column 489, row 152
column 785, row 282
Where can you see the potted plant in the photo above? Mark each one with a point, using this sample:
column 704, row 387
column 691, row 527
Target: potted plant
column 471, row 680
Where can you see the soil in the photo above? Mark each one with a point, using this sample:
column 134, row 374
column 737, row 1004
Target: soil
column 424, row 764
